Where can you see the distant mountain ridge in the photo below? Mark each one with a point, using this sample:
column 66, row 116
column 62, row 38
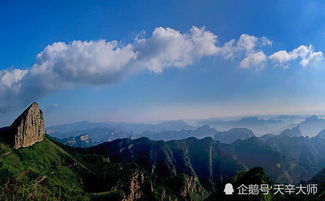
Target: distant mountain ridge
column 142, row 169
column 283, row 157
column 257, row 125
column 233, row 134
column 312, row 125
column 121, row 126
column 78, row 141
column 291, row 132
column 102, row 134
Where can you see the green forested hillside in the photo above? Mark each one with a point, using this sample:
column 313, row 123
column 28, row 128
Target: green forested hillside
column 49, row 171
column 41, row 172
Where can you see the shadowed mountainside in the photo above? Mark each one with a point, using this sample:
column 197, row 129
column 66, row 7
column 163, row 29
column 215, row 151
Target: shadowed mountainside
column 204, row 159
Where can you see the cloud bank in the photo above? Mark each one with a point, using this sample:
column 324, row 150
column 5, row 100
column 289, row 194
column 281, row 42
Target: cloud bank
column 304, row 55
column 64, row 65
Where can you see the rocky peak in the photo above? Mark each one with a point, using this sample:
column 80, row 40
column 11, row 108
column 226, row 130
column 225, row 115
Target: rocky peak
column 293, row 132
column 28, row 128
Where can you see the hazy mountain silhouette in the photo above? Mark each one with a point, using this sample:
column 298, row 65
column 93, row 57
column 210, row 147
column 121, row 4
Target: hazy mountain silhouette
column 312, row 125
column 233, row 134
column 257, row 125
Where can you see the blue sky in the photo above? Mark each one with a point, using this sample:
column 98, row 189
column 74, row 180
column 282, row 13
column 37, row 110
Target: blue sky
column 197, row 84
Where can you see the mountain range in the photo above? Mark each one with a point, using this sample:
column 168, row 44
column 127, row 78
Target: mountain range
column 180, row 129
column 35, row 166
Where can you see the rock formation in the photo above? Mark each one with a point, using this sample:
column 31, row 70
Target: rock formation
column 136, row 183
column 28, row 128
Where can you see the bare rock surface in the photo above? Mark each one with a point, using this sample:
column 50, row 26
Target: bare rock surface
column 28, row 128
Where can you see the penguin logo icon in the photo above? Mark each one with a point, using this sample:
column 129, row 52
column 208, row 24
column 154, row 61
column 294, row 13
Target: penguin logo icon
column 229, row 189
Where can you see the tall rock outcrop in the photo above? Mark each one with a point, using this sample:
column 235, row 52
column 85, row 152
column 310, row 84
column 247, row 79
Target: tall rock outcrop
column 28, row 128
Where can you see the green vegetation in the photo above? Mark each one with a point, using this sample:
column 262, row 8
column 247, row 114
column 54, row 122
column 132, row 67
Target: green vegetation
column 109, row 195
column 51, row 171
column 41, row 172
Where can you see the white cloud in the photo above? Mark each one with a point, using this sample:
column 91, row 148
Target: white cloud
column 256, row 60
column 64, row 65
column 10, row 78
column 170, row 48
column 281, row 57
column 247, row 42
column 84, row 62
column 306, row 56
column 265, row 41
column 246, row 47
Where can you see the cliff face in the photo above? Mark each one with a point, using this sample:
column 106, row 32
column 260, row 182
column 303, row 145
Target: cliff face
column 204, row 159
column 28, row 128
column 136, row 184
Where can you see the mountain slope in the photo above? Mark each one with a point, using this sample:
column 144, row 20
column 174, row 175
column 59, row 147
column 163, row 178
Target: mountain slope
column 286, row 159
column 302, row 156
column 291, row 132
column 321, row 134
column 33, row 167
column 254, row 152
column 133, row 170
column 43, row 171
column 204, row 159
column 319, row 179
column 48, row 171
